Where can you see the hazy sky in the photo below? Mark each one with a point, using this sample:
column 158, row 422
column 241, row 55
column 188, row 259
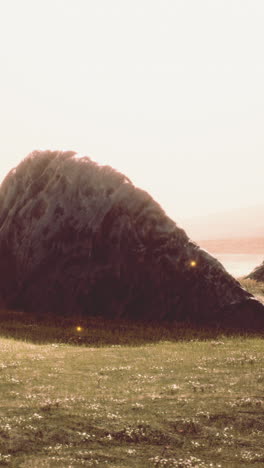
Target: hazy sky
column 170, row 92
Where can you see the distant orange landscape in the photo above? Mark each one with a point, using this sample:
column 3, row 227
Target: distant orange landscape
column 240, row 245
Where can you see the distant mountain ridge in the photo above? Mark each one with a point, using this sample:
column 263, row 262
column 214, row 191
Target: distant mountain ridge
column 245, row 245
column 239, row 223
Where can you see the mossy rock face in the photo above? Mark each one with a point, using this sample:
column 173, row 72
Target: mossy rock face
column 258, row 273
column 80, row 239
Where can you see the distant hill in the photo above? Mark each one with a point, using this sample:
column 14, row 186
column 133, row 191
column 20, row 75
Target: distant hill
column 246, row 245
column 243, row 223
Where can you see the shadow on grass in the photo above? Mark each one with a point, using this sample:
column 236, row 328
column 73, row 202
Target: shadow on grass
column 98, row 331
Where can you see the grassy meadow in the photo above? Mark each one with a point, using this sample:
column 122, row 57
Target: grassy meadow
column 122, row 395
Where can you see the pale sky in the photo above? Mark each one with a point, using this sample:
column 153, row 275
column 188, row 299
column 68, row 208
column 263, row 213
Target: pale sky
column 169, row 92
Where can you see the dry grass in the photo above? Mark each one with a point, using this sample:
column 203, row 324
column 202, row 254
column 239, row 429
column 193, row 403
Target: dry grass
column 185, row 404
column 254, row 287
column 195, row 401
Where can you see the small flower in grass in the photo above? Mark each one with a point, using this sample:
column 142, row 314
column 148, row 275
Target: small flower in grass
column 84, row 436
column 174, row 387
column 36, row 416
column 5, row 459
column 131, row 451
column 195, row 443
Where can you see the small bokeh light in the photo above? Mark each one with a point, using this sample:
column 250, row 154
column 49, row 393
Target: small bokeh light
column 193, row 263
column 78, row 329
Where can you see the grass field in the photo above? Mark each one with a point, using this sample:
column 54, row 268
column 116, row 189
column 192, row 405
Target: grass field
column 121, row 396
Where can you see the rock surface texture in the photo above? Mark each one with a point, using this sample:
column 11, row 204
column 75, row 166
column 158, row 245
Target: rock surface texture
column 258, row 273
column 78, row 238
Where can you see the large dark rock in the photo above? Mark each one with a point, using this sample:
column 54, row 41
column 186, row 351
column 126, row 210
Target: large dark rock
column 78, row 238
column 258, row 273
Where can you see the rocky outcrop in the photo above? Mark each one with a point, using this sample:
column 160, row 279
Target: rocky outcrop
column 78, row 238
column 258, row 273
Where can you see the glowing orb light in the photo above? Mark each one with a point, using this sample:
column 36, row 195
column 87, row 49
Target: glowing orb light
column 78, row 329
column 193, row 263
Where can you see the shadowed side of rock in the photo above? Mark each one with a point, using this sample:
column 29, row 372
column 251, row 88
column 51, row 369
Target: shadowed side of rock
column 80, row 239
